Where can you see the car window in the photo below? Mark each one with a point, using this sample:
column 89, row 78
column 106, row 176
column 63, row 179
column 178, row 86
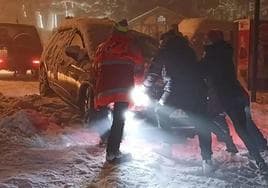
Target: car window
column 50, row 44
column 77, row 41
column 56, row 46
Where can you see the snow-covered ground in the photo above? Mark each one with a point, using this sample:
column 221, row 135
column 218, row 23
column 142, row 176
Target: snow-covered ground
column 44, row 143
column 17, row 86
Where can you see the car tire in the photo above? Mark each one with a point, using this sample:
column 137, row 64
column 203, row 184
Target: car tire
column 44, row 88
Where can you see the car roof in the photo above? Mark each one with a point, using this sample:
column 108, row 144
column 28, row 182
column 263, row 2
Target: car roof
column 19, row 30
column 96, row 30
column 84, row 23
column 93, row 30
column 15, row 25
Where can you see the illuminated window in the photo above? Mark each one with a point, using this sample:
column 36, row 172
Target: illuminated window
column 161, row 19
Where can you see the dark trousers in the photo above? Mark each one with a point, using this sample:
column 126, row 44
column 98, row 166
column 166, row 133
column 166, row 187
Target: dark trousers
column 254, row 131
column 205, row 144
column 236, row 111
column 117, row 128
column 205, row 126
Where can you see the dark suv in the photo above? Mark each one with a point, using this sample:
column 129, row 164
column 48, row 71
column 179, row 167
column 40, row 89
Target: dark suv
column 66, row 61
column 20, row 48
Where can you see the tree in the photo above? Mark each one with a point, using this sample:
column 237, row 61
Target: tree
column 226, row 9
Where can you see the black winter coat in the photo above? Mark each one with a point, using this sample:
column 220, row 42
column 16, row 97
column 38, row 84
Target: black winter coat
column 219, row 69
column 184, row 82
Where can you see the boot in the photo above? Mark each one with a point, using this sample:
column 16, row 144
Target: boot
column 263, row 148
column 117, row 157
column 231, row 148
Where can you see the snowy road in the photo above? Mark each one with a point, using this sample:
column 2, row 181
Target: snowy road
column 19, row 86
column 44, row 143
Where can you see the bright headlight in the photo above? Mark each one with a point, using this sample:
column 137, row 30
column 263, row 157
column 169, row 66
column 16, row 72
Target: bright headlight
column 139, row 97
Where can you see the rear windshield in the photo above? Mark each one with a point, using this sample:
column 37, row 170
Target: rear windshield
column 20, row 35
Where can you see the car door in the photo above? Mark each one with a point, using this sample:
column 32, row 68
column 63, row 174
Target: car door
column 58, row 63
column 49, row 57
column 73, row 69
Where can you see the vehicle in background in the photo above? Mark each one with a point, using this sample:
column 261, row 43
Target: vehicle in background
column 20, row 48
column 66, row 62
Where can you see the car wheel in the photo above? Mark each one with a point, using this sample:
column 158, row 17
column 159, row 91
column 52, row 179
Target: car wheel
column 44, row 88
column 85, row 102
column 86, row 105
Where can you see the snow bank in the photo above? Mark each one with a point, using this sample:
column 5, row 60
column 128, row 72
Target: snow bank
column 24, row 128
column 53, row 108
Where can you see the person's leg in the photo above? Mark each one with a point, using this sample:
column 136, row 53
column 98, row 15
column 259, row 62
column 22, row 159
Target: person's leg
column 116, row 133
column 238, row 117
column 255, row 132
column 205, row 144
column 203, row 128
column 222, row 132
column 220, row 120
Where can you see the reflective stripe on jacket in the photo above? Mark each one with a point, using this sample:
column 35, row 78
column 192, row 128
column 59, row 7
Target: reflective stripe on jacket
column 115, row 79
column 115, row 61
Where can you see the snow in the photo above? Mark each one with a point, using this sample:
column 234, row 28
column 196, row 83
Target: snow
column 9, row 84
column 95, row 31
column 44, row 143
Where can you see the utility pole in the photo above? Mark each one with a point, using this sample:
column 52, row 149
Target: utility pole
column 255, row 51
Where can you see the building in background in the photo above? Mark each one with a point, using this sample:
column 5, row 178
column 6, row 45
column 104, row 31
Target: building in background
column 155, row 22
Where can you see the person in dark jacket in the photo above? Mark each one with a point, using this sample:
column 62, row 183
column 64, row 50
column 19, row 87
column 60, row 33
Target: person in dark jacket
column 219, row 67
column 184, row 88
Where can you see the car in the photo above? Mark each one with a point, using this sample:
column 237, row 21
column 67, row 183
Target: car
column 66, row 62
column 20, row 48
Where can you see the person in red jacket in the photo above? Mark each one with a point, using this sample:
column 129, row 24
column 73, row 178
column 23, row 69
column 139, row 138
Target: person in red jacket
column 115, row 61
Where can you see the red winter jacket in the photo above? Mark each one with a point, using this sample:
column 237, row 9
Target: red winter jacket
column 115, row 61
